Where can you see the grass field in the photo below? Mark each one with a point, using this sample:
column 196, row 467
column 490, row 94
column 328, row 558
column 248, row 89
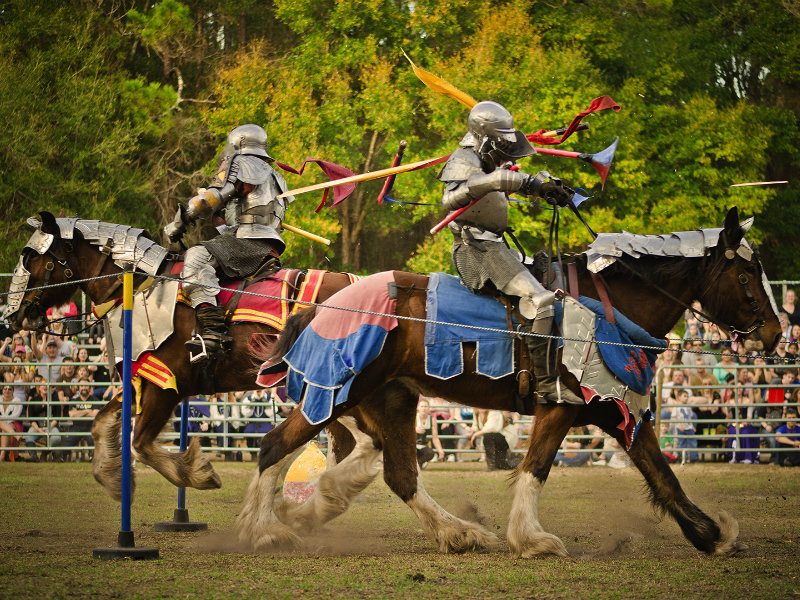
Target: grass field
column 53, row 515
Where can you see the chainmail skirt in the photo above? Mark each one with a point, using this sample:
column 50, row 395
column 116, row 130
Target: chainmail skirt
column 485, row 262
column 240, row 257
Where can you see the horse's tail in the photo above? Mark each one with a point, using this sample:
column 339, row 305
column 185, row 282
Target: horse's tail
column 294, row 327
column 273, row 369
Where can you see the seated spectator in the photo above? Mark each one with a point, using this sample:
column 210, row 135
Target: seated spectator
column 790, row 306
column 726, row 365
column 100, row 373
column 96, row 332
column 461, row 418
column 788, row 437
column 667, row 361
column 226, row 412
column 499, row 437
column 693, row 331
column 677, row 381
column 46, row 353
column 285, row 407
column 6, row 350
column 40, row 431
column 66, row 376
column 699, row 374
column 782, row 392
column 684, row 418
column 715, row 341
column 786, row 326
column 760, row 376
column 667, row 441
column 82, row 356
column 569, row 457
column 18, row 377
column 427, row 431
column 445, row 429
column 257, row 411
column 11, row 413
column 744, row 445
column 82, row 410
column 743, row 434
column 781, row 357
column 711, row 420
column 613, row 456
column 199, row 420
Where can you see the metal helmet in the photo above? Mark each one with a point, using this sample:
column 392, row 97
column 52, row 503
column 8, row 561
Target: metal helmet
column 491, row 129
column 247, row 139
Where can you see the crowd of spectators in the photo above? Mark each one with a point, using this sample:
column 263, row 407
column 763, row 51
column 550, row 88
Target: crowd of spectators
column 720, row 403
column 53, row 386
column 714, row 402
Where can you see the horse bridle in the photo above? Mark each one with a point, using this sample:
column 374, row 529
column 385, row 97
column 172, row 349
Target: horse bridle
column 718, row 269
column 744, row 280
column 49, row 268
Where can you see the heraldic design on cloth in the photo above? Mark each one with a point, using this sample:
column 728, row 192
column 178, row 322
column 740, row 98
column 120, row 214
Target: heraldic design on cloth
column 339, row 344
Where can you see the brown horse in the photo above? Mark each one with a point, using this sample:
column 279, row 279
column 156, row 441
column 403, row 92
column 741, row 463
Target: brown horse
column 67, row 264
column 653, row 291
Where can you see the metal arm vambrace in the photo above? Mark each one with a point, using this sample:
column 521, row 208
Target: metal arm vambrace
column 480, row 184
column 209, row 201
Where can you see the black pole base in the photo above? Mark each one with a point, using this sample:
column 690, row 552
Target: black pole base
column 180, row 522
column 125, row 549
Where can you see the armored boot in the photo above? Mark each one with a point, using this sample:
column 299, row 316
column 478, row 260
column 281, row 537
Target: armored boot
column 211, row 339
column 543, row 358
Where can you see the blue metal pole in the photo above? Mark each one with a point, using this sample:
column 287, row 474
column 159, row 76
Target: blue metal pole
column 127, row 388
column 125, row 547
column 184, row 443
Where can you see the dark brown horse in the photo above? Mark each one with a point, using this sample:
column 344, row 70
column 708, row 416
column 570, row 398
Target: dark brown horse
column 653, row 291
column 67, row 261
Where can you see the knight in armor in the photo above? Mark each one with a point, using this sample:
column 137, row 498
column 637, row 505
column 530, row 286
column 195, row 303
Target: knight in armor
column 481, row 168
column 245, row 192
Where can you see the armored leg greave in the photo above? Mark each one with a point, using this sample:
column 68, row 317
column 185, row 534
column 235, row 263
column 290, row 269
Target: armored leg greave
column 198, row 272
column 543, row 358
column 532, row 295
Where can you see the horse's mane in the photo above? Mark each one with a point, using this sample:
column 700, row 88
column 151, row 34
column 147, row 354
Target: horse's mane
column 657, row 269
column 664, row 257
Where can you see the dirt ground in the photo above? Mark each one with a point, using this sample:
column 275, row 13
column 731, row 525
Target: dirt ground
column 53, row 515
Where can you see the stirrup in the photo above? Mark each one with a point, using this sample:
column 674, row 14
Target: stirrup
column 203, row 354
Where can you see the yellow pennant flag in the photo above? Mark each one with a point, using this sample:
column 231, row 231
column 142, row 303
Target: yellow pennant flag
column 440, row 85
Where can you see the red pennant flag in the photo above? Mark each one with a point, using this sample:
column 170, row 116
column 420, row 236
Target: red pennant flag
column 334, row 172
column 601, row 103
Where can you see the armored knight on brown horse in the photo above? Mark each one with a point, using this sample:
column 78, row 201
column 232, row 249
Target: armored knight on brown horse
column 245, row 191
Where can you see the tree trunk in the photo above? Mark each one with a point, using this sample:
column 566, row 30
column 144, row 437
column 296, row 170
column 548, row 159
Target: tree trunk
column 353, row 214
column 242, row 33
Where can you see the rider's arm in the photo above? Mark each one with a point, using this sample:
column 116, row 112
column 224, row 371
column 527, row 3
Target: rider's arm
column 460, row 193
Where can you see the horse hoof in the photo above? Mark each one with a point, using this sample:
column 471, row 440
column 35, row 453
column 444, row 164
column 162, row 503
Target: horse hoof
column 211, row 481
column 469, row 541
column 544, row 543
column 279, row 537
